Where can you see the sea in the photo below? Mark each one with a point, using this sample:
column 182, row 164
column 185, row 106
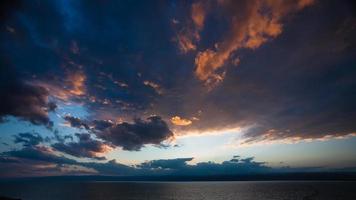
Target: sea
column 244, row 190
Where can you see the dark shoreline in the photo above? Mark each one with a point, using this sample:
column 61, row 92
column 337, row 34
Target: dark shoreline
column 322, row 176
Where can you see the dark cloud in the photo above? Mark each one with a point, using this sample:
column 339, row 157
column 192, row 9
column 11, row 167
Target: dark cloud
column 315, row 99
column 133, row 136
column 28, row 139
column 76, row 122
column 177, row 163
column 113, row 168
column 101, row 125
column 27, row 161
column 243, row 166
column 41, row 154
column 179, row 166
column 32, row 156
column 61, row 138
column 295, row 78
column 129, row 136
column 294, row 90
column 23, row 100
column 86, row 147
column 8, row 160
column 38, row 161
column 52, row 106
column 95, row 125
column 304, row 90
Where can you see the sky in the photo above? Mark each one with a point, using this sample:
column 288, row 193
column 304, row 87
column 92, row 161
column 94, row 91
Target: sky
column 177, row 87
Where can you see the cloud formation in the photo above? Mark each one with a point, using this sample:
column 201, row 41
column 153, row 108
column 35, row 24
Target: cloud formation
column 76, row 122
column 298, row 87
column 133, row 136
column 29, row 159
column 101, row 125
column 177, row 163
column 155, row 86
column 129, row 136
column 189, row 35
column 86, row 147
column 39, row 160
column 65, row 89
column 28, row 139
column 23, row 100
column 176, row 120
column 252, row 24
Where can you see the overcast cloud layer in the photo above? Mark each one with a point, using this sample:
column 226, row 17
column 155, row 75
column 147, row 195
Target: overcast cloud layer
column 148, row 73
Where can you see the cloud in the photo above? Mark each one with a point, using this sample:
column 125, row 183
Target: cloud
column 198, row 13
column 176, row 120
column 101, row 125
column 263, row 136
column 39, row 161
column 179, row 166
column 112, row 167
column 71, row 87
column 42, row 161
column 129, row 136
column 86, row 147
column 189, row 35
column 8, row 160
column 185, row 41
column 133, row 136
column 75, row 169
column 28, row 139
column 52, row 106
column 155, row 86
column 95, row 125
column 253, row 23
column 76, row 81
column 30, row 158
column 24, row 100
column 38, row 153
column 300, row 86
column 177, row 163
column 76, row 122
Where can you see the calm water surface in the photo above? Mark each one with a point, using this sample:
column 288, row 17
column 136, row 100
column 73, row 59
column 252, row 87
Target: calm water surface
column 180, row 190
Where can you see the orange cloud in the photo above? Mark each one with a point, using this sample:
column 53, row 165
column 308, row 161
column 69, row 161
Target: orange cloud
column 190, row 35
column 176, row 120
column 72, row 86
column 253, row 24
column 103, row 149
column 198, row 13
column 76, row 81
column 185, row 41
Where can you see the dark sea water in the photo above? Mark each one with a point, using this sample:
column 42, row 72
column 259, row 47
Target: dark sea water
column 273, row 190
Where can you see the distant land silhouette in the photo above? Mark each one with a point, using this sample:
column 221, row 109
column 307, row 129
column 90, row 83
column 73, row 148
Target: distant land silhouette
column 312, row 176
